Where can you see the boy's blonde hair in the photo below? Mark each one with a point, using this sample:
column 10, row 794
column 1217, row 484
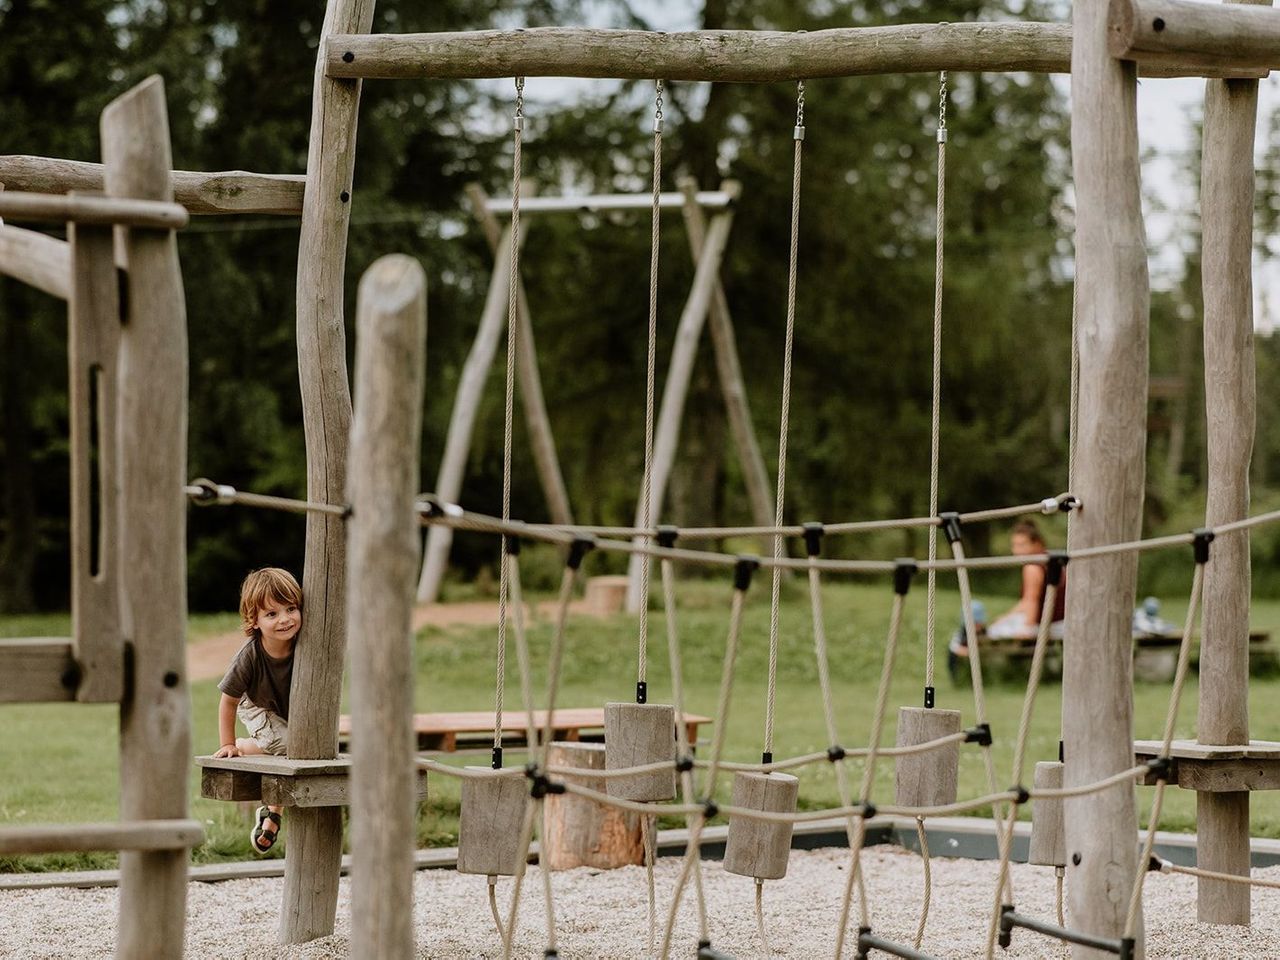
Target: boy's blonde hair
column 269, row 583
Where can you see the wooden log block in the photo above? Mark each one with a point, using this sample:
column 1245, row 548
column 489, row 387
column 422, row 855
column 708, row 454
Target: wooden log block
column 37, row 260
column 85, row 837
column 155, row 720
column 1222, row 826
column 230, row 785
column 606, row 596
column 1155, row 664
column 636, row 734
column 37, row 670
column 1048, row 838
column 927, row 779
column 1233, row 38
column 85, row 208
column 382, row 570
column 332, row 790
column 489, row 825
column 578, row 832
column 760, row 848
column 1227, row 776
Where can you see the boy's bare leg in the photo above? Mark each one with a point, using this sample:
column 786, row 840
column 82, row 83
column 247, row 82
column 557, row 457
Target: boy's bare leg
column 247, row 748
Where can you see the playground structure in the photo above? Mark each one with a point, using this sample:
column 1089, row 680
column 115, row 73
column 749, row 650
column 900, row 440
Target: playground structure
column 1103, row 51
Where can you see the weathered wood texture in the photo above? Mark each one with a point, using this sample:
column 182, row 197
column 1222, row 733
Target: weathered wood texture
column 155, row 721
column 1112, row 297
column 636, row 734
column 761, row 848
column 231, row 191
column 93, row 345
column 305, row 788
column 37, row 670
column 38, row 261
column 1230, row 39
column 1226, row 217
column 727, row 56
column 666, row 434
column 83, row 837
column 578, row 832
column 315, row 835
column 1048, row 838
column 489, row 821
column 927, row 779
column 382, row 569
column 49, row 208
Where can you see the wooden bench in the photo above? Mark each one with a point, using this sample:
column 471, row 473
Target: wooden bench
column 449, row 732
column 282, row 782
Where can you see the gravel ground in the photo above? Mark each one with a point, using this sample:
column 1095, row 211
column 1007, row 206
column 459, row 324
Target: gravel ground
column 604, row 914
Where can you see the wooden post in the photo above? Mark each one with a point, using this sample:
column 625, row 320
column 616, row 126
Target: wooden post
column 666, row 435
column 382, row 567
column 315, row 834
column 578, row 832
column 1226, row 193
column 728, row 367
column 155, row 719
column 462, row 419
column 1112, row 314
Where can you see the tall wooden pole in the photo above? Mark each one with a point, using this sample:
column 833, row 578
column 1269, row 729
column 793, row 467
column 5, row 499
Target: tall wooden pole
column 1112, row 314
column 382, row 563
column 155, row 716
column 315, row 833
column 1226, row 194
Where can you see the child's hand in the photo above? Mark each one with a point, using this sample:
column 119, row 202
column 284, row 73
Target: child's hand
column 228, row 750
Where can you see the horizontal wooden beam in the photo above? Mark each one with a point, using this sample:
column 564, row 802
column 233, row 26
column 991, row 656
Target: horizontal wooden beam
column 727, row 56
column 54, row 208
column 308, row 789
column 37, row 669
column 120, row 835
column 230, row 191
column 1239, row 40
column 37, row 260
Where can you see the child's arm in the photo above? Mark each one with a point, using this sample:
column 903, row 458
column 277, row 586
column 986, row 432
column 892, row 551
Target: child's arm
column 227, row 727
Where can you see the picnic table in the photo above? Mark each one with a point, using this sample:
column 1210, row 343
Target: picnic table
column 449, row 732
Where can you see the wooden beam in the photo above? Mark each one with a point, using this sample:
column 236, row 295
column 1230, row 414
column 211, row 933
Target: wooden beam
column 305, row 789
column 152, row 835
column 37, row 260
column 37, row 670
column 315, row 835
column 229, row 191
column 50, row 208
column 730, row 56
column 1112, row 297
column 155, row 720
column 1236, row 36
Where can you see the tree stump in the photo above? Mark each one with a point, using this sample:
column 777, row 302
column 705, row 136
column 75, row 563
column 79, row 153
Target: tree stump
column 606, row 596
column 578, row 832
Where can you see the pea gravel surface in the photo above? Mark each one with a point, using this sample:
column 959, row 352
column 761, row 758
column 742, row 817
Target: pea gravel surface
column 604, row 914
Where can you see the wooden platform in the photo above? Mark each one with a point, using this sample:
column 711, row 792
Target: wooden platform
column 449, row 732
column 1213, row 769
column 281, row 781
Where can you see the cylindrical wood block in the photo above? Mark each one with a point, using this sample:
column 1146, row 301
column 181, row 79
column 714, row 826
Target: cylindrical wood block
column 583, row 833
column 636, row 734
column 606, row 595
column 1222, row 822
column 760, row 848
column 1048, row 838
column 489, row 827
column 927, row 779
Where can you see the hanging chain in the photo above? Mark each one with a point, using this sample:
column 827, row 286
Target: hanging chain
column 799, row 131
column 942, row 107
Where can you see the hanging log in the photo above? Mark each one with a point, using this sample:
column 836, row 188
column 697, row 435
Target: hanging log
column 761, row 848
column 1048, row 840
column 492, row 812
column 927, row 779
column 636, row 734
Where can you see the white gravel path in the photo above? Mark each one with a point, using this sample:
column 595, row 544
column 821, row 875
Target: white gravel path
column 603, row 915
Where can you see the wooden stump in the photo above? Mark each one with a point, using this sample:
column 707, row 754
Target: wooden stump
column 1155, row 664
column 1048, row 838
column 761, row 848
column 636, row 734
column 489, row 825
column 578, row 832
column 927, row 779
column 606, row 596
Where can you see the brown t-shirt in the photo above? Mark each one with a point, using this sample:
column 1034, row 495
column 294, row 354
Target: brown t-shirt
column 261, row 677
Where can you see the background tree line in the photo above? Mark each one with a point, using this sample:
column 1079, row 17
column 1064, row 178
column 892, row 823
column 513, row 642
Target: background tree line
column 239, row 79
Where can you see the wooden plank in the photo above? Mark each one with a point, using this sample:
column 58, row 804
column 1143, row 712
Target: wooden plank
column 1229, row 777
column 333, row 790
column 155, row 721
column 219, row 784
column 84, row 837
column 315, row 835
column 86, row 208
column 382, row 569
column 1193, row 750
column 38, row 261
column 1229, row 37
column 93, row 311
column 228, row 191
column 1112, row 296
column 277, row 766
column 37, row 670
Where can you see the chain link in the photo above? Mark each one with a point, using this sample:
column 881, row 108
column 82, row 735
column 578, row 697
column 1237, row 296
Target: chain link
column 519, row 118
column 942, row 102
column 800, row 104
column 657, row 106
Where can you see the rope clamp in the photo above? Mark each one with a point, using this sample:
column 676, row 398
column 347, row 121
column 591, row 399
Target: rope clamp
column 684, row 764
column 1202, row 537
column 1058, row 560
column 813, row 532
column 541, row 783
column 742, row 571
column 929, row 698
column 432, row 508
column 580, row 547
column 667, row 534
column 206, row 493
column 942, row 135
column 1155, row 864
column 642, row 691
column 1021, row 794
column 766, row 757
column 709, row 809
column 798, row 133
column 868, row 810
column 835, row 753
column 496, row 762
column 980, row 734
column 1006, row 926
column 904, row 569
column 1068, row 502
column 511, row 544
column 950, row 521
column 1161, row 767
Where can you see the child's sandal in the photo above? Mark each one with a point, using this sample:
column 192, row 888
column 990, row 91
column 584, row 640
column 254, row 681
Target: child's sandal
column 261, row 839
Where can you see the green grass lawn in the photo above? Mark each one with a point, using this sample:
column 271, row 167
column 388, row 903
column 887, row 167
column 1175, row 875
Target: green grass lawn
column 59, row 761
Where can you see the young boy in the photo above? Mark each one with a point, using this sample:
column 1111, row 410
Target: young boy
column 256, row 685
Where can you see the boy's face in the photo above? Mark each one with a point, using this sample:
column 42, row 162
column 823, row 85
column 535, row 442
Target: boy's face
column 278, row 622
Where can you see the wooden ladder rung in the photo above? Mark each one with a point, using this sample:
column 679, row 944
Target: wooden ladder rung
column 118, row 835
